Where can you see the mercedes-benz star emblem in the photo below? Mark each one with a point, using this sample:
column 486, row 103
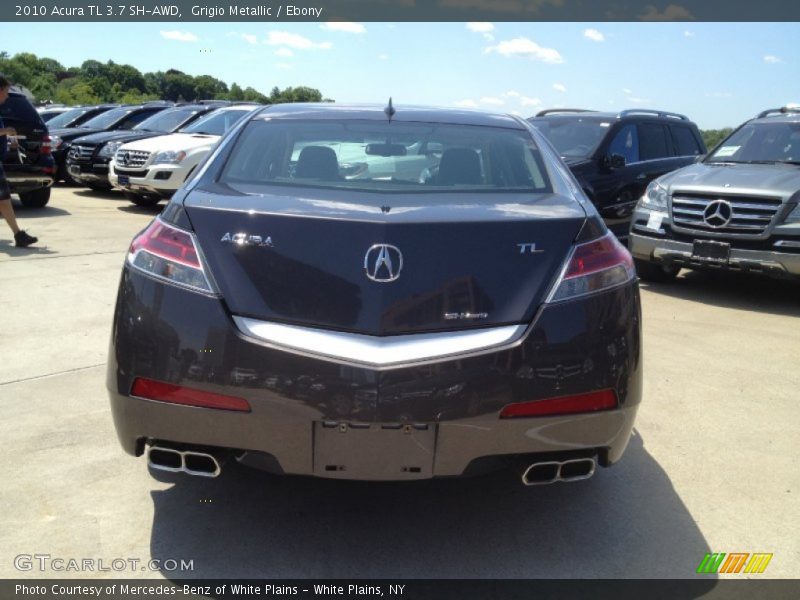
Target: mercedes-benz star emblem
column 383, row 263
column 124, row 158
column 718, row 213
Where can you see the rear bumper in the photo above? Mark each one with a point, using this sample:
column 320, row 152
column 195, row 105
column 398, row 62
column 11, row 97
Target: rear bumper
column 307, row 412
column 673, row 252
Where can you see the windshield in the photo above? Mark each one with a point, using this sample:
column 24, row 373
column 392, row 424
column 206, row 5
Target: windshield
column 107, row 118
column 382, row 156
column 573, row 137
column 65, row 118
column 217, row 122
column 167, row 121
column 761, row 142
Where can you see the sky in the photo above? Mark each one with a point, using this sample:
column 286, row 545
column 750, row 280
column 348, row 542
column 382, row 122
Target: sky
column 719, row 74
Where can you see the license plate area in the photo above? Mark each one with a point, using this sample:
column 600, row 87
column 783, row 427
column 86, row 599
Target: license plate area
column 713, row 251
column 124, row 180
column 373, row 451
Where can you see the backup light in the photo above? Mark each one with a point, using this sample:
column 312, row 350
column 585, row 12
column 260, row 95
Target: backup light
column 150, row 389
column 594, row 266
column 171, row 254
column 563, row 405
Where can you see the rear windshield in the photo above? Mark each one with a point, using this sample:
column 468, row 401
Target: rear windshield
column 761, row 142
column 217, row 122
column 573, row 137
column 108, row 118
column 385, row 157
column 17, row 108
column 167, row 121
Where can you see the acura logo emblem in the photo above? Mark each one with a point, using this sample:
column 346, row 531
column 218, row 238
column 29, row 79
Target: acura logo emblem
column 718, row 213
column 383, row 263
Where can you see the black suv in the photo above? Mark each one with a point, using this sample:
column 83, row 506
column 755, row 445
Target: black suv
column 120, row 117
column 88, row 158
column 614, row 156
column 29, row 163
column 737, row 210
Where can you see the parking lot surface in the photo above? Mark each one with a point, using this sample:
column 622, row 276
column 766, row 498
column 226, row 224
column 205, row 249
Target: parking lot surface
column 712, row 466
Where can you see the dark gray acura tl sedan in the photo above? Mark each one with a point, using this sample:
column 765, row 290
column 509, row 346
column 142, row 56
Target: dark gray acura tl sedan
column 378, row 293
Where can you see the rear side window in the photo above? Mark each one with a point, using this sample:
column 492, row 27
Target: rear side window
column 17, row 108
column 653, row 142
column 685, row 142
column 385, row 157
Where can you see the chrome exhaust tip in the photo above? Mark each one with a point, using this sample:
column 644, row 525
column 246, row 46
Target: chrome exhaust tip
column 199, row 464
column 547, row 472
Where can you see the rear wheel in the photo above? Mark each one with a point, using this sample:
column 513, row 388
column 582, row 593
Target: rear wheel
column 655, row 272
column 140, row 200
column 35, row 198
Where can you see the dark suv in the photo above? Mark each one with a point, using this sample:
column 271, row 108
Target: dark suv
column 737, row 210
column 29, row 163
column 88, row 158
column 120, row 117
column 614, row 156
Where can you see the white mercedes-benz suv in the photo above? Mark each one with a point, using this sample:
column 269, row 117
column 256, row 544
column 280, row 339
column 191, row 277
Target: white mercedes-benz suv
column 151, row 169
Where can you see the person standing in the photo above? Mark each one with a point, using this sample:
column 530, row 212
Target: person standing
column 21, row 238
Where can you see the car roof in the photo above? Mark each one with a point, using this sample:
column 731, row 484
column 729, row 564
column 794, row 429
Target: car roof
column 403, row 113
column 637, row 113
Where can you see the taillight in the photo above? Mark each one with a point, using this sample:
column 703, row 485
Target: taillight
column 594, row 266
column 46, row 147
column 563, row 405
column 171, row 254
column 177, row 394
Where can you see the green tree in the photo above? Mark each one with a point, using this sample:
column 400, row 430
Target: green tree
column 712, row 137
column 236, row 94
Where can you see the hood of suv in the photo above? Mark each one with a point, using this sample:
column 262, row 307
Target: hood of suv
column 175, row 141
column 97, row 139
column 757, row 179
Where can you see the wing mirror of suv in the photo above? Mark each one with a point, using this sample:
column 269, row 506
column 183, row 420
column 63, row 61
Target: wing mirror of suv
column 612, row 161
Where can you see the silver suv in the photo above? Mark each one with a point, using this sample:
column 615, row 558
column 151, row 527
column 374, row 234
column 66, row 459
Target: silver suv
column 736, row 210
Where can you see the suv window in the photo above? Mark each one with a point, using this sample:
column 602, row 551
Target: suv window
column 653, row 141
column 775, row 141
column 17, row 108
column 167, row 120
column 685, row 142
column 576, row 137
column 217, row 122
column 626, row 143
column 136, row 118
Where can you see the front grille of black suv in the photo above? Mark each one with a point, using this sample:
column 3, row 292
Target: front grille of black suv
column 81, row 153
column 751, row 215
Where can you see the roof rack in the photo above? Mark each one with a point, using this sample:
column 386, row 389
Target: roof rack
column 654, row 113
column 551, row 111
column 783, row 110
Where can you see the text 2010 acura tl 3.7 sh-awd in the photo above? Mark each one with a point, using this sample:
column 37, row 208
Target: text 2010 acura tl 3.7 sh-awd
column 378, row 293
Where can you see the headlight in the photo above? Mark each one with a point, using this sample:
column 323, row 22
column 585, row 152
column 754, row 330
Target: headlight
column 169, row 157
column 55, row 141
column 655, row 197
column 109, row 149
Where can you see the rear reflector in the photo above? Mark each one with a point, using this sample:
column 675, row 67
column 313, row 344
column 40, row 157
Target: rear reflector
column 563, row 405
column 177, row 394
column 594, row 266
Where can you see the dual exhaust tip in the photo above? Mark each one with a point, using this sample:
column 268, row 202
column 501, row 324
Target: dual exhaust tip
column 191, row 462
column 543, row 473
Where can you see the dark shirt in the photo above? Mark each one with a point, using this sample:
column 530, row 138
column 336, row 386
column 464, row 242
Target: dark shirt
column 3, row 142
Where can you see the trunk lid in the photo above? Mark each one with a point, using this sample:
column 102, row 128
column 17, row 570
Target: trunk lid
column 462, row 263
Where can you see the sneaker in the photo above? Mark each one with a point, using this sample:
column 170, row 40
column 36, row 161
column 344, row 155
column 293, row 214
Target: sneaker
column 23, row 239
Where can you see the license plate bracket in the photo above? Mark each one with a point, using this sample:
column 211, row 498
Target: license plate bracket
column 712, row 251
column 373, row 451
column 124, row 180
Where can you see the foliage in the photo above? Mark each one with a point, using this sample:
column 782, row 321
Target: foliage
column 712, row 137
column 94, row 82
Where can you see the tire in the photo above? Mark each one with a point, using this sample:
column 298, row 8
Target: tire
column 35, row 198
column 655, row 272
column 144, row 201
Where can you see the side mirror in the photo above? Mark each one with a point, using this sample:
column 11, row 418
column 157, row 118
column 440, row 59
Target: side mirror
column 616, row 161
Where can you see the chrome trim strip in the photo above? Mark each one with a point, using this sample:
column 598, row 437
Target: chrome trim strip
column 380, row 352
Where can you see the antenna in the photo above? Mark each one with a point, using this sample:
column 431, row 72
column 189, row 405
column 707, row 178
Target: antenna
column 389, row 110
